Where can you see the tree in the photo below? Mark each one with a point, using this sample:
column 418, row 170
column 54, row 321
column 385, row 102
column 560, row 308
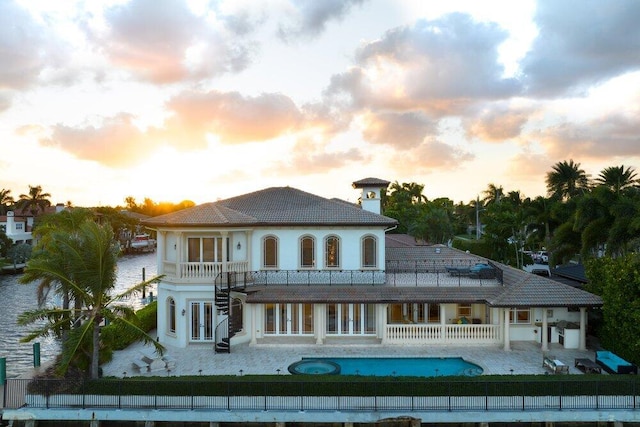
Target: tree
column 617, row 178
column 84, row 262
column 36, row 201
column 6, row 201
column 567, row 180
column 617, row 281
column 493, row 194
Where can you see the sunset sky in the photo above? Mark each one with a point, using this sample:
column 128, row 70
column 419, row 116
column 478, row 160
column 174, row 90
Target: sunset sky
column 202, row 100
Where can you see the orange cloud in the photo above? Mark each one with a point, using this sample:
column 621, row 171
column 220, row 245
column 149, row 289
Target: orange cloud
column 232, row 117
column 116, row 143
column 496, row 124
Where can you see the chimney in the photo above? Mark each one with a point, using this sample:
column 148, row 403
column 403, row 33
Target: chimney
column 371, row 193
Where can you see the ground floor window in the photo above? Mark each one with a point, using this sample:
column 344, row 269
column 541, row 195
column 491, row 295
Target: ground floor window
column 288, row 319
column 351, row 319
column 413, row 313
column 520, row 316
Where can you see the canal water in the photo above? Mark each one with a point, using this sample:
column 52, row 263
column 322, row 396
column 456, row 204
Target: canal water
column 16, row 298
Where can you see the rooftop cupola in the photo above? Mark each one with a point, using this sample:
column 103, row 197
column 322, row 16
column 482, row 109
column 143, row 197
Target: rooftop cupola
column 371, row 192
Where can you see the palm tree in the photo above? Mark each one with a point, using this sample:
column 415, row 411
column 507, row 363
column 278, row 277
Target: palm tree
column 6, row 200
column 493, row 194
column 567, row 180
column 36, row 201
column 83, row 262
column 617, row 178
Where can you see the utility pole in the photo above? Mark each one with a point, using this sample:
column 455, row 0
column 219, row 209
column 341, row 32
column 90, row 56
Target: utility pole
column 478, row 225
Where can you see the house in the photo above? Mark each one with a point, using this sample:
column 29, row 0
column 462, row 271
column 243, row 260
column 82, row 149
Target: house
column 17, row 228
column 18, row 224
column 284, row 266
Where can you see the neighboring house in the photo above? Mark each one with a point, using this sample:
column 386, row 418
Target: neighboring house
column 17, row 227
column 284, row 266
column 18, row 224
column 570, row 274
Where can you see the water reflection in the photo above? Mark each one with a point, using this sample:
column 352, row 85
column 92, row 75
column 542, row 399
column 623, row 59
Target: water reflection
column 16, row 298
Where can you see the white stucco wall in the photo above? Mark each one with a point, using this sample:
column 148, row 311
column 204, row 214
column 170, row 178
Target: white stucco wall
column 289, row 248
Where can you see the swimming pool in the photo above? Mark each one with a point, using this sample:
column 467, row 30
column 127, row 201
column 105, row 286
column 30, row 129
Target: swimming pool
column 386, row 366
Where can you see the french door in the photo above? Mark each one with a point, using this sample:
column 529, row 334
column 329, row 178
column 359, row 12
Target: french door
column 351, row 319
column 202, row 316
column 288, row 319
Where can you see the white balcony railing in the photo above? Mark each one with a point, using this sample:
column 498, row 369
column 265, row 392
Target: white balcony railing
column 444, row 334
column 206, row 271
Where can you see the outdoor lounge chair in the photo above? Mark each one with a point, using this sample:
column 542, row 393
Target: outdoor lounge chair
column 554, row 365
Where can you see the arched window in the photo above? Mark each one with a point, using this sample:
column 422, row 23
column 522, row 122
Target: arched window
column 369, row 252
column 172, row 315
column 332, row 252
column 270, row 252
column 307, row 252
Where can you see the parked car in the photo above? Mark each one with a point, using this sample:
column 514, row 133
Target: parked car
column 540, row 257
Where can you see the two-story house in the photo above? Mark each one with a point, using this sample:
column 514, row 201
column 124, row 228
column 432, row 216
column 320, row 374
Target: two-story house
column 284, row 266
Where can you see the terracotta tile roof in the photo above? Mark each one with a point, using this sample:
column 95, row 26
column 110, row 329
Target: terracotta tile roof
column 276, row 206
column 519, row 289
column 524, row 289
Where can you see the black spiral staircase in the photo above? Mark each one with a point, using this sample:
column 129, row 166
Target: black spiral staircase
column 232, row 322
column 223, row 330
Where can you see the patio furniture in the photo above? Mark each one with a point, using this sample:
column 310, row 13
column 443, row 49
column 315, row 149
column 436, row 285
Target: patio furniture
column 458, row 271
column 614, row 364
column 587, row 366
column 555, row 365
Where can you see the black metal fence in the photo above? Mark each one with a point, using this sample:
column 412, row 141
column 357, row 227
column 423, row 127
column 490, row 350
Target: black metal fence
column 397, row 276
column 326, row 396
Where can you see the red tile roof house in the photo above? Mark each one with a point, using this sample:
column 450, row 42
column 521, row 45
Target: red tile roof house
column 284, row 266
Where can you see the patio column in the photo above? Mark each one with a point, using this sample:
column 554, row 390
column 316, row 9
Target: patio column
column 583, row 329
column 443, row 323
column 383, row 321
column 507, row 340
column 545, row 338
column 254, row 332
column 319, row 311
column 162, row 250
column 179, row 244
column 225, row 254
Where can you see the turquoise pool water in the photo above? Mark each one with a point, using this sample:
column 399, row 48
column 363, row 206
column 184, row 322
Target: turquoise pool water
column 387, row 366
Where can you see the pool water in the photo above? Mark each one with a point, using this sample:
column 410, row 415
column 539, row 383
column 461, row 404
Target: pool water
column 390, row 366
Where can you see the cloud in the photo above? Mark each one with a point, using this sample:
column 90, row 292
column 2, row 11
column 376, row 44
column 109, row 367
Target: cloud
column 435, row 65
column 403, row 130
column 430, row 155
column 233, row 117
column 605, row 137
column 496, row 123
column 311, row 156
column 116, row 143
column 581, row 43
column 25, row 47
column 165, row 42
column 308, row 18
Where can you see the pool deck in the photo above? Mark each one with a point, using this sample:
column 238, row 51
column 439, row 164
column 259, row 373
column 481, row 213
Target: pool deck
column 275, row 357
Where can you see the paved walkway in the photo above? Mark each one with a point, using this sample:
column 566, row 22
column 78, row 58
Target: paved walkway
column 524, row 358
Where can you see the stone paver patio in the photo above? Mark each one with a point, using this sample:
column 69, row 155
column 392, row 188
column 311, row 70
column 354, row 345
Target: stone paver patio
column 523, row 358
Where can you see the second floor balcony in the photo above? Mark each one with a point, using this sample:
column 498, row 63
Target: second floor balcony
column 238, row 274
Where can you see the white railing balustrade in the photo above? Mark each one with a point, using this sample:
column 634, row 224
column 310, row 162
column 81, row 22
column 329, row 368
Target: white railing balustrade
column 429, row 334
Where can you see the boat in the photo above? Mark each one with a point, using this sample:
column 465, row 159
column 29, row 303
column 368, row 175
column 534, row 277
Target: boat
column 14, row 268
column 143, row 242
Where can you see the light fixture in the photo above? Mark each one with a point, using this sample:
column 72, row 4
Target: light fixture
column 183, row 311
column 239, row 246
